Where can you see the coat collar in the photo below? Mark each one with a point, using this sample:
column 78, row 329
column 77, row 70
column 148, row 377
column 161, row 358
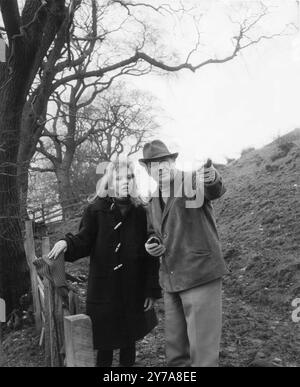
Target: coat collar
column 108, row 205
column 103, row 204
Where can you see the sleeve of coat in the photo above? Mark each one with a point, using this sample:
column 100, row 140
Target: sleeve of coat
column 150, row 228
column 216, row 189
column 79, row 245
column 153, row 289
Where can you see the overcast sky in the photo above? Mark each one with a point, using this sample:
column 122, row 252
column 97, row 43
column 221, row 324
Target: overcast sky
column 223, row 109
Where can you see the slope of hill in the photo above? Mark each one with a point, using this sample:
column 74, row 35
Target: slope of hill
column 259, row 221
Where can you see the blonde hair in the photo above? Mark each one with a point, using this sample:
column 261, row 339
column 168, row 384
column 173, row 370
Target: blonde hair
column 104, row 184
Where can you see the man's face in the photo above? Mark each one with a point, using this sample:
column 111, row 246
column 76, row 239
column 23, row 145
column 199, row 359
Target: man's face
column 162, row 171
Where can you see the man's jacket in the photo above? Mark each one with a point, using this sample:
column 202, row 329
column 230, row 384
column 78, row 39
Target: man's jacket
column 193, row 252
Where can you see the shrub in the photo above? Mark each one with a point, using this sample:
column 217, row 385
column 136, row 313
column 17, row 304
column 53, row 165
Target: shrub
column 229, row 160
column 284, row 146
column 258, row 160
column 247, row 150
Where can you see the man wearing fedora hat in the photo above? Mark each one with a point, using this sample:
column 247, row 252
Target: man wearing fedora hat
column 185, row 238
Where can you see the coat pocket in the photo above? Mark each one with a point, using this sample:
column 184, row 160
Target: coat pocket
column 199, row 252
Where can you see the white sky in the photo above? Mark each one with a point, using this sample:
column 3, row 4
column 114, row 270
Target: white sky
column 223, row 109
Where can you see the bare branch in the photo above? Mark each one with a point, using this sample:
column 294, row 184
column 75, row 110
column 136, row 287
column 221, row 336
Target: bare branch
column 164, row 8
column 41, row 149
column 138, row 56
column 37, row 169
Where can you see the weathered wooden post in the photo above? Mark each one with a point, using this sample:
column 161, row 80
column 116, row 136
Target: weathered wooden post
column 79, row 341
column 52, row 342
column 30, row 256
column 2, row 320
column 2, row 49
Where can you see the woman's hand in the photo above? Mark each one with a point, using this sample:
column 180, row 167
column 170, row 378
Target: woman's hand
column 154, row 249
column 149, row 303
column 59, row 247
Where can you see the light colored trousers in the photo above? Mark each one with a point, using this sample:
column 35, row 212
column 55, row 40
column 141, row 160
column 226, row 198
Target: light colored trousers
column 193, row 324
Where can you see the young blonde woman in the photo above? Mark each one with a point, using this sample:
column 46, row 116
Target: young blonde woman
column 123, row 278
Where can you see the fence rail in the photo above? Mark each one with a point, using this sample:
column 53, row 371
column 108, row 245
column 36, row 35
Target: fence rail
column 47, row 212
column 66, row 335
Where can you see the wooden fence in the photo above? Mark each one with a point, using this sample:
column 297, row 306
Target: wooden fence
column 52, row 212
column 66, row 335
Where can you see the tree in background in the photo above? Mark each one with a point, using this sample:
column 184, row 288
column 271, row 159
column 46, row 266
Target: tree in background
column 130, row 118
column 81, row 135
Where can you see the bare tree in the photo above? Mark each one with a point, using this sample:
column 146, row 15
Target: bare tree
column 29, row 35
column 81, row 133
column 127, row 120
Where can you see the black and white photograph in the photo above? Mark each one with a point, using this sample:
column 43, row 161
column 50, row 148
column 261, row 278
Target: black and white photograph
column 149, row 186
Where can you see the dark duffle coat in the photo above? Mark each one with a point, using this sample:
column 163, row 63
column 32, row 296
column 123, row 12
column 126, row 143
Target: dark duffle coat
column 121, row 273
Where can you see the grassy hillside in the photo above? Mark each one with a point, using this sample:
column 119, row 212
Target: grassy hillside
column 259, row 222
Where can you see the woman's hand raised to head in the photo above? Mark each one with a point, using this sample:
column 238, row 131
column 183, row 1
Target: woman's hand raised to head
column 59, row 247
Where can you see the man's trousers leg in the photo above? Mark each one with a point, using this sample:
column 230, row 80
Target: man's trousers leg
column 177, row 342
column 203, row 312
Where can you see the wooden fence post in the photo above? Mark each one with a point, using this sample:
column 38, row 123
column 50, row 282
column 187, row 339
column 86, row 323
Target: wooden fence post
column 30, row 256
column 52, row 309
column 79, row 341
column 2, row 320
column 2, row 49
column 43, row 213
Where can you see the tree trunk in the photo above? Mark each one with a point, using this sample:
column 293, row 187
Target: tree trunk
column 23, row 176
column 27, row 49
column 35, row 111
column 66, row 195
column 14, row 278
column 30, row 134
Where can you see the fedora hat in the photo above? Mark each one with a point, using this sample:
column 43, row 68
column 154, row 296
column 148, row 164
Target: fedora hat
column 156, row 150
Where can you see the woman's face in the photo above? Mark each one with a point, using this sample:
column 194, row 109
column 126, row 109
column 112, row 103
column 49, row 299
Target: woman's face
column 123, row 182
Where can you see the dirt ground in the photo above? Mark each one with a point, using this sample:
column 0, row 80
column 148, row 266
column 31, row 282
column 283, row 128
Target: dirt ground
column 252, row 336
